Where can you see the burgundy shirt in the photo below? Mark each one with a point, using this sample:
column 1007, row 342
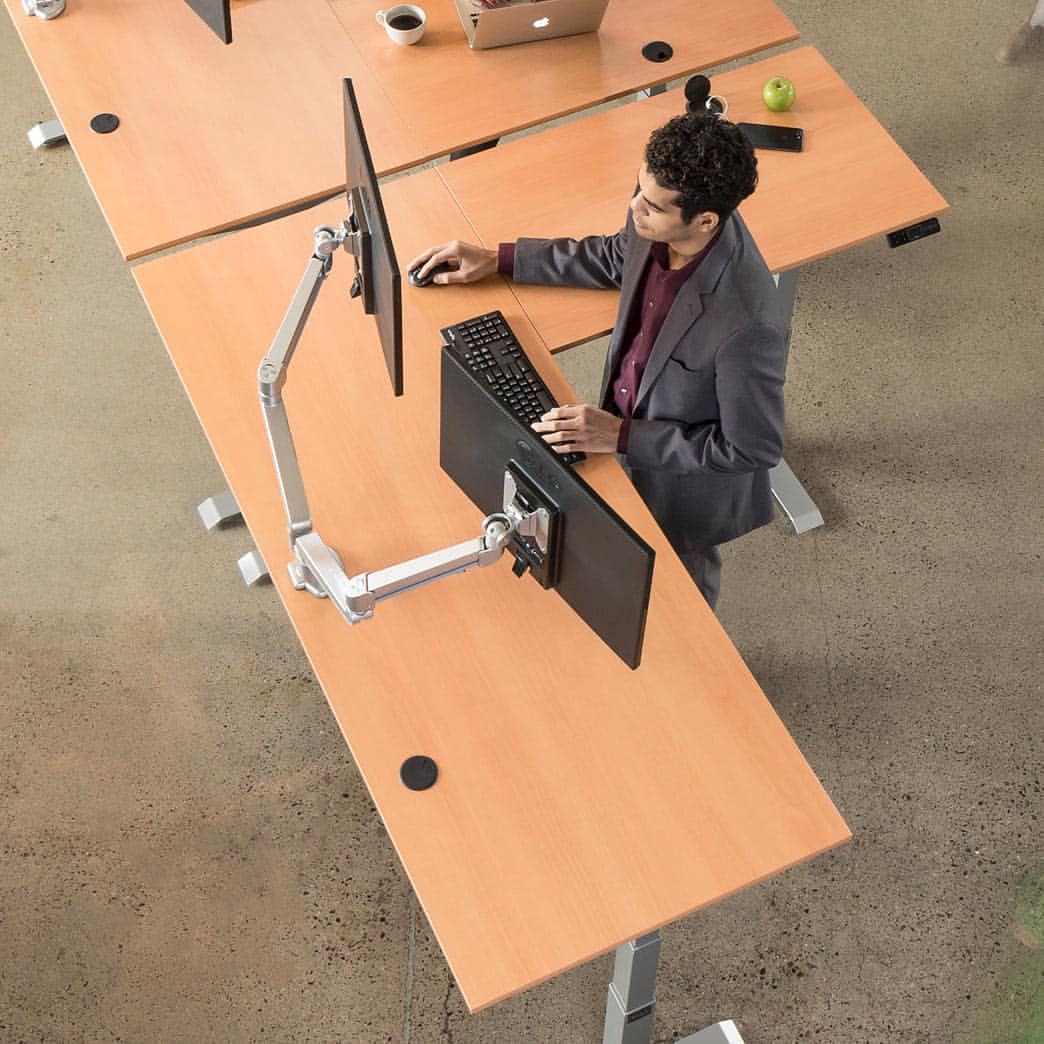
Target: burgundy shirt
column 658, row 289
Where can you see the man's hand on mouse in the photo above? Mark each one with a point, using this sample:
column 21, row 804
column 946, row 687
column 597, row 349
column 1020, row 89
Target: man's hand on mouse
column 470, row 263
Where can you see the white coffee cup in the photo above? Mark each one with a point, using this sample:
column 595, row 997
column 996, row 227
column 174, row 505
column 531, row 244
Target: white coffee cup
column 404, row 23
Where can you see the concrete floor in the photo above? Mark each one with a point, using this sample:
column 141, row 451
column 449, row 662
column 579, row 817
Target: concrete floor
column 186, row 850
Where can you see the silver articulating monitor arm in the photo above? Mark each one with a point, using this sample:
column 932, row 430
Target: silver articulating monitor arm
column 316, row 567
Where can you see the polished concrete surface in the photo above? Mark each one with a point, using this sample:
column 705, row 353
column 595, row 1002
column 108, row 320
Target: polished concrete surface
column 187, row 852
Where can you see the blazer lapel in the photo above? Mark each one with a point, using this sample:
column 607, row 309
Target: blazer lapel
column 688, row 306
column 634, row 265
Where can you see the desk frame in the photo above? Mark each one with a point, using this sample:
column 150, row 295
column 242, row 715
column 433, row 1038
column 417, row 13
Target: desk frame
column 631, row 1004
column 790, row 494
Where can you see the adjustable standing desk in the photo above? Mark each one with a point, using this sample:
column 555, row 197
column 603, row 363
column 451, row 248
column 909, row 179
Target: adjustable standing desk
column 851, row 183
column 212, row 136
column 579, row 804
column 454, row 97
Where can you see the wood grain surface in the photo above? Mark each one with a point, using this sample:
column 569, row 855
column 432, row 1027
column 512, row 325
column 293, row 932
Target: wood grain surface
column 851, row 183
column 453, row 96
column 579, row 803
column 210, row 135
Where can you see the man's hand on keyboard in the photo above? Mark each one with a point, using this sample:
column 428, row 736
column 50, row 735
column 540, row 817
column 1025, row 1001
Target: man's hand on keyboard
column 569, row 428
column 470, row 263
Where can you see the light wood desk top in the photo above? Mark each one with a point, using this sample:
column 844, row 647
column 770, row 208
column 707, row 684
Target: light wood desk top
column 210, row 135
column 579, row 804
column 453, row 96
column 851, row 183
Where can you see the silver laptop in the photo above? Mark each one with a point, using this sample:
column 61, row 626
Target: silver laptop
column 523, row 21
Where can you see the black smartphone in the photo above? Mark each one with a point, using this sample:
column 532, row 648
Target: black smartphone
column 769, row 136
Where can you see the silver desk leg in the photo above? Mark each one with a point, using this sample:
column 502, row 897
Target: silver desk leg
column 792, row 498
column 252, row 568
column 215, row 510
column 720, row 1033
column 786, row 488
column 50, row 132
column 631, row 1002
column 221, row 508
column 786, row 283
column 629, row 1009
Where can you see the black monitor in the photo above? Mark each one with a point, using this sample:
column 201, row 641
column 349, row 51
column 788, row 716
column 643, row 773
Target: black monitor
column 377, row 272
column 593, row 559
column 217, row 14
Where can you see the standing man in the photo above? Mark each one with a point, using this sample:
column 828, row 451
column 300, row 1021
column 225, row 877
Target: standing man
column 692, row 392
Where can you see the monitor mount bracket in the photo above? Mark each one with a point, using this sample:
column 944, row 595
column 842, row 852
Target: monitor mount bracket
column 316, row 567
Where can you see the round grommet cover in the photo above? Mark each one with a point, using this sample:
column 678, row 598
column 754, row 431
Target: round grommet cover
column 419, row 772
column 658, row 51
column 104, row 123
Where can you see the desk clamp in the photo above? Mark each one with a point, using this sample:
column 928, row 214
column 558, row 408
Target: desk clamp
column 316, row 567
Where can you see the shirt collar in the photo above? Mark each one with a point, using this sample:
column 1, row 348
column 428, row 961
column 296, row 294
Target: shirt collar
column 661, row 256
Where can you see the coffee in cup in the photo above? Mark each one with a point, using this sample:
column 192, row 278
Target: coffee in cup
column 403, row 23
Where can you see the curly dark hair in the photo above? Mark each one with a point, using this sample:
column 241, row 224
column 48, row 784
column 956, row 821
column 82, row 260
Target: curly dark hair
column 706, row 160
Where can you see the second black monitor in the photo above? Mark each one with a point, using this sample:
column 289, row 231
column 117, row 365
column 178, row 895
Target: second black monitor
column 603, row 569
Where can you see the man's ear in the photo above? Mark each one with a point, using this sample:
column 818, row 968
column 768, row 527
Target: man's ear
column 706, row 222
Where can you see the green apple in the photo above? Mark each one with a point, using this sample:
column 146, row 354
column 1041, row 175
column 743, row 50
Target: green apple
column 778, row 94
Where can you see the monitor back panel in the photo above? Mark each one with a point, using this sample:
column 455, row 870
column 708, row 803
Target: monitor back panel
column 217, row 14
column 604, row 568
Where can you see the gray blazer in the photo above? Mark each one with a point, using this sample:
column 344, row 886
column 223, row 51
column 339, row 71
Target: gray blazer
column 708, row 421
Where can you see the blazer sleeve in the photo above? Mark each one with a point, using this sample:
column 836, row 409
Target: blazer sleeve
column 747, row 434
column 594, row 263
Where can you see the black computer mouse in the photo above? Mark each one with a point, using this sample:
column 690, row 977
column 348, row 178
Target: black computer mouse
column 419, row 280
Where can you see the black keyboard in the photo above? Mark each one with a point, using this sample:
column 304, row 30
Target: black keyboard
column 488, row 347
